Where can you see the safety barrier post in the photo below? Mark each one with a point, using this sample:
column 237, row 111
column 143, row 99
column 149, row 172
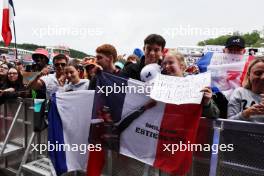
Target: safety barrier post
column 214, row 156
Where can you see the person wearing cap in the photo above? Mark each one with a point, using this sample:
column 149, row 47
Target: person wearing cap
column 41, row 59
column 235, row 45
column 154, row 45
column 119, row 65
column 91, row 68
column 52, row 82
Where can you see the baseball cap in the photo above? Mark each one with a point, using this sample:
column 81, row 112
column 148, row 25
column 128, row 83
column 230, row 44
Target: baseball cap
column 90, row 62
column 235, row 41
column 119, row 64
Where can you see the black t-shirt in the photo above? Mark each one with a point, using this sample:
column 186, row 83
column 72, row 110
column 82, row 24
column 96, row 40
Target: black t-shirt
column 133, row 70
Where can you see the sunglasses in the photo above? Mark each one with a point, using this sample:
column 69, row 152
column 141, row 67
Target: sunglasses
column 60, row 64
column 12, row 73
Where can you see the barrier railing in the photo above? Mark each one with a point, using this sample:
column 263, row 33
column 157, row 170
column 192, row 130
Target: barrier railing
column 246, row 159
column 15, row 127
column 248, row 156
column 17, row 133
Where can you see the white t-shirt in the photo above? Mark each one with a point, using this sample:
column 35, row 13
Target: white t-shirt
column 82, row 85
column 52, row 85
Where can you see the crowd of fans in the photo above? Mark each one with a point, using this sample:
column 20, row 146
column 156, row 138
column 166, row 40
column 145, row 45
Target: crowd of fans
column 66, row 74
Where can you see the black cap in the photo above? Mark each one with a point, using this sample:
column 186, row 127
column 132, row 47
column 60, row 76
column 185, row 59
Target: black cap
column 235, row 41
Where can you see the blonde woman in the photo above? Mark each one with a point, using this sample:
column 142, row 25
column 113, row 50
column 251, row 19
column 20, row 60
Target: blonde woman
column 248, row 101
column 174, row 65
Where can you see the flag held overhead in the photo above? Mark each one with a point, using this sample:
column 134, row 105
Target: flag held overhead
column 8, row 16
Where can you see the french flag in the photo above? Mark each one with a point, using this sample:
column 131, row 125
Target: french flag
column 226, row 70
column 8, row 16
column 69, row 123
column 142, row 130
column 244, row 72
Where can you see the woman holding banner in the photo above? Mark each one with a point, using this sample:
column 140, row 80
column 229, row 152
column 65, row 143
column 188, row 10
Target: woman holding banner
column 174, row 65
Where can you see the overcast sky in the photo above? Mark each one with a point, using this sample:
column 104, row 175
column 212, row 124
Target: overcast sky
column 86, row 24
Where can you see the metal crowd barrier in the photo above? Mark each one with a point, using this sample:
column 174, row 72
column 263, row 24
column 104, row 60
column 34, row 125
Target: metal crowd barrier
column 15, row 127
column 16, row 135
column 247, row 158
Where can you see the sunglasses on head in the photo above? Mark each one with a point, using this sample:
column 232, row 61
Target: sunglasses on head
column 60, row 64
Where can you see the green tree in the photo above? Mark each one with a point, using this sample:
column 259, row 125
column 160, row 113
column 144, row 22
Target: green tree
column 252, row 39
column 214, row 41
